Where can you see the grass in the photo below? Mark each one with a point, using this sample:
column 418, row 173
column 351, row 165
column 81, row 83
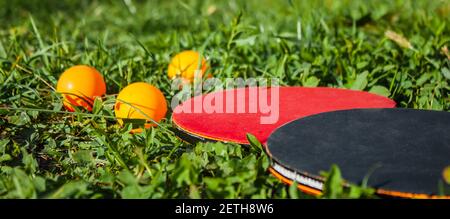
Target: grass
column 394, row 48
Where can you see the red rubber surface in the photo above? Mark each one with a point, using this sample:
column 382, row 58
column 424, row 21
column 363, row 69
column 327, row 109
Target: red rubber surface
column 294, row 103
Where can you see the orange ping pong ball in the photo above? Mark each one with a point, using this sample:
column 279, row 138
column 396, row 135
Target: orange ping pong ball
column 185, row 64
column 140, row 101
column 80, row 85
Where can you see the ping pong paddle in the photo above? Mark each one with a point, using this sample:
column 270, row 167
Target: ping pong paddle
column 234, row 122
column 408, row 147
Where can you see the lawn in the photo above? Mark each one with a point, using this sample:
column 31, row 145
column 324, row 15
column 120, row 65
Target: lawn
column 397, row 49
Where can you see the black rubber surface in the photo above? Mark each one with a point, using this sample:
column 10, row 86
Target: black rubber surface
column 409, row 148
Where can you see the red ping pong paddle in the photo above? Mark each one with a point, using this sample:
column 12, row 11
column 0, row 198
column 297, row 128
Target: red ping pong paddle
column 228, row 115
